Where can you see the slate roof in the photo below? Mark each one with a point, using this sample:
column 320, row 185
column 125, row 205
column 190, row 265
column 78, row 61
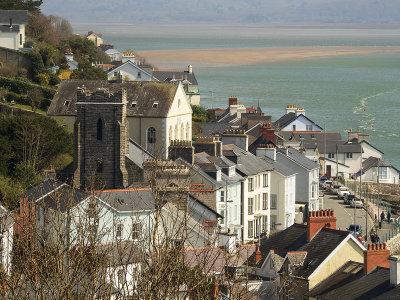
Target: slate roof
column 143, row 93
column 310, row 136
column 299, row 158
column 372, row 162
column 127, row 200
column 329, row 146
column 212, row 128
column 7, row 28
column 375, row 285
column 17, row 16
column 294, row 238
column 122, row 253
column 248, row 163
column 165, row 75
column 278, row 167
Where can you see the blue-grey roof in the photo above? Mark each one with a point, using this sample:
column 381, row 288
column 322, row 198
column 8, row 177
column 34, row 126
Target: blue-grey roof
column 7, row 28
column 299, row 158
column 166, row 75
column 278, row 167
column 17, row 16
column 137, row 199
column 248, row 163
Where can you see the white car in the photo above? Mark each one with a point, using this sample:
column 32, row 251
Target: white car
column 342, row 192
column 356, row 203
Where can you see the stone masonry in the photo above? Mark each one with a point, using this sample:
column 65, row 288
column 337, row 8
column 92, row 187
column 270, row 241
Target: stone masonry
column 100, row 139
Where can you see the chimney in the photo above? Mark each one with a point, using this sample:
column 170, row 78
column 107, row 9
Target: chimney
column 300, row 111
column 376, row 255
column 291, row 108
column 232, row 100
column 190, row 69
column 183, row 149
column 211, row 145
column 236, row 137
column 394, row 269
column 228, row 241
column 318, row 220
column 266, row 150
column 267, row 132
column 257, row 254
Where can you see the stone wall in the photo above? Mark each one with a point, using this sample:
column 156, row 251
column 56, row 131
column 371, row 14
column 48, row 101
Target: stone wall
column 394, row 245
column 10, row 110
column 14, row 58
column 386, row 190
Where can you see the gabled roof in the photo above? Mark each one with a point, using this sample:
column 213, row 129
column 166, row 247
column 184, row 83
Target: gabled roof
column 285, row 120
column 17, row 16
column 212, row 128
column 310, row 136
column 166, row 75
column 365, row 142
column 143, row 94
column 128, row 200
column 127, row 63
column 374, row 162
column 298, row 158
column 279, row 167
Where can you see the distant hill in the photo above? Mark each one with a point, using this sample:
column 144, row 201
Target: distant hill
column 227, row 11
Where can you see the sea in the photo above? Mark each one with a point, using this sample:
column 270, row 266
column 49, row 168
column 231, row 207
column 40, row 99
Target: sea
column 358, row 92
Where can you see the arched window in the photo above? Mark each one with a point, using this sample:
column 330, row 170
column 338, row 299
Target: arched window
column 170, row 133
column 151, row 135
column 99, row 129
column 176, row 133
column 187, row 131
column 182, row 132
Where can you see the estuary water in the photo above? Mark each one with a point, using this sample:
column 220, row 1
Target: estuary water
column 339, row 92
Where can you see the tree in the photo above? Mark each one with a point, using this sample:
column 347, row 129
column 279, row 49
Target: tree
column 31, row 5
column 35, row 98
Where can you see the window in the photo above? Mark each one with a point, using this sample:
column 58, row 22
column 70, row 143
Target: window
column 265, row 224
column 383, row 172
column 151, row 135
column 134, row 104
column 155, row 104
column 187, row 131
column 273, row 221
column 349, row 155
column 265, row 201
column 115, row 74
column 309, row 127
column 274, row 201
column 99, row 130
column 139, row 75
column 331, row 155
column 265, row 180
column 67, row 102
column 118, row 233
column 222, row 213
column 250, row 206
column 313, row 191
column 250, row 229
column 251, row 184
column 99, row 166
column 182, row 132
column 136, row 230
column 20, row 39
column 294, row 127
column 222, row 196
column 257, row 202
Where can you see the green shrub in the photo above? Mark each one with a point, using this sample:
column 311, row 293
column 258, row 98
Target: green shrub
column 199, row 119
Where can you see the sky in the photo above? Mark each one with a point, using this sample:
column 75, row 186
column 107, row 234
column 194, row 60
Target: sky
column 376, row 12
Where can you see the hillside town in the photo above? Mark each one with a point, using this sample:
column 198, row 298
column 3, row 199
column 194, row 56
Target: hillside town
column 155, row 204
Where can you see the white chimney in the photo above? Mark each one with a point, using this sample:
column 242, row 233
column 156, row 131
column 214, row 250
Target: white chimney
column 190, row 69
column 394, row 269
column 228, row 240
column 291, row 108
column 268, row 151
column 300, row 111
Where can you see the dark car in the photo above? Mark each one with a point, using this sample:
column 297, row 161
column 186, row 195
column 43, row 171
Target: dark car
column 348, row 198
column 322, row 181
column 355, row 229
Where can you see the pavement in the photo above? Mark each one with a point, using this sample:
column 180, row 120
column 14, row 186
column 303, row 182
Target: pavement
column 345, row 216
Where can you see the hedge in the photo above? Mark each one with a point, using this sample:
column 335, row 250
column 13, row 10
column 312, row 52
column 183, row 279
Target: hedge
column 21, row 87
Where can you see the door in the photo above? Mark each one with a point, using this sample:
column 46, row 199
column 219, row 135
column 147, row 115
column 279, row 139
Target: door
column 328, row 171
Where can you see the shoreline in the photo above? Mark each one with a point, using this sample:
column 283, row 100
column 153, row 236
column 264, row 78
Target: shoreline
column 246, row 56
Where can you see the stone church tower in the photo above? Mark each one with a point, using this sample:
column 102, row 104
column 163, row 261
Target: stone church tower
column 100, row 139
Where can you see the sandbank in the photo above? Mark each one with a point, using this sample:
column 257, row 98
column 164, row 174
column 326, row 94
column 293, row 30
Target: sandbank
column 245, row 56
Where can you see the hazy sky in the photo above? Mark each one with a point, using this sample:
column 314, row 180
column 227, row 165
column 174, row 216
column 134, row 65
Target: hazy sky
column 383, row 12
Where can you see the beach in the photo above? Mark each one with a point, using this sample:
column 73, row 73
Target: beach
column 246, row 56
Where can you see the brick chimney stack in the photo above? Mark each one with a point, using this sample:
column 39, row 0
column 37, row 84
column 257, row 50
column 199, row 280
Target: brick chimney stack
column 268, row 132
column 318, row 220
column 232, row 100
column 376, row 255
column 179, row 148
column 257, row 254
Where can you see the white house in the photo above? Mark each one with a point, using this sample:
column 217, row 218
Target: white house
column 12, row 28
column 129, row 71
column 295, row 120
column 6, row 238
column 114, row 54
column 373, row 167
column 283, row 190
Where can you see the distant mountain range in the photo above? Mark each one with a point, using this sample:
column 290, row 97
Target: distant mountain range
column 227, row 11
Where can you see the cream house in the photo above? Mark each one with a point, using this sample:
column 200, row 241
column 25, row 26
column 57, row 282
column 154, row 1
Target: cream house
column 12, row 28
column 156, row 112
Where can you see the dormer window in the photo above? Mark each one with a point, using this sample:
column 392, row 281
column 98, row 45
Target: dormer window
column 155, row 104
column 231, row 171
column 67, row 102
column 134, row 104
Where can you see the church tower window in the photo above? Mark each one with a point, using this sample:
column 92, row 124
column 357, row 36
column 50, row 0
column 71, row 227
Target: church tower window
column 99, row 130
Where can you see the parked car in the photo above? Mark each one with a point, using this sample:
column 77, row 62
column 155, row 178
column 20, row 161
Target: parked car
column 327, row 184
column 335, row 188
column 348, row 198
column 357, row 203
column 322, row 181
column 355, row 229
column 342, row 192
